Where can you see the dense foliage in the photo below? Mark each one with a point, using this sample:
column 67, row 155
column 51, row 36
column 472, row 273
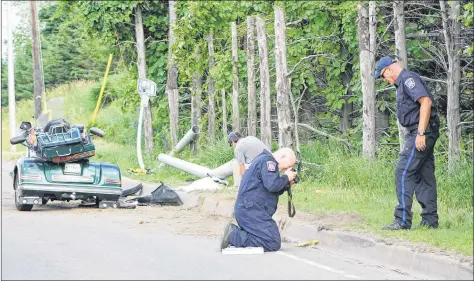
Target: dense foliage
column 322, row 52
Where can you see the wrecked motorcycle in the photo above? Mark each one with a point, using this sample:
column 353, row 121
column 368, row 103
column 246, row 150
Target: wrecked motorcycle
column 57, row 167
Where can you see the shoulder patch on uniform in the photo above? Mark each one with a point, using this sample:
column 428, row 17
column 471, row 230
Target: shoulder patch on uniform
column 410, row 83
column 271, row 166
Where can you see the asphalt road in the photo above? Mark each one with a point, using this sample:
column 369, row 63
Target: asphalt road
column 63, row 241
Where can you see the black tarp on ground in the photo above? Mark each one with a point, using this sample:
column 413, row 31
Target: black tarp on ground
column 162, row 195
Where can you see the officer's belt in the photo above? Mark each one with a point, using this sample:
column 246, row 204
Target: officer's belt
column 430, row 128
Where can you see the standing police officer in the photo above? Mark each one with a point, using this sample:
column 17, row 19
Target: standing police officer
column 414, row 172
column 257, row 201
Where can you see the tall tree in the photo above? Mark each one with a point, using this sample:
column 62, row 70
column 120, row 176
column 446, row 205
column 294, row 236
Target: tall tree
column 366, row 68
column 400, row 51
column 172, row 80
column 251, row 91
column 235, row 83
column 265, row 101
column 37, row 77
column 283, row 104
column 141, row 63
column 211, row 111
column 451, row 30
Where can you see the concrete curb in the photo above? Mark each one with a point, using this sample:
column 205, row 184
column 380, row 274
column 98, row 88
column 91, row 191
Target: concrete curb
column 400, row 258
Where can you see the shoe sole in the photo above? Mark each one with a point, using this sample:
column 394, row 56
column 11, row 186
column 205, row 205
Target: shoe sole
column 224, row 236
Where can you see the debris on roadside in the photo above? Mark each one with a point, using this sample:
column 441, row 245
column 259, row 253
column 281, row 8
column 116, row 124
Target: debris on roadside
column 132, row 191
column 139, row 171
column 308, row 243
column 124, row 203
column 163, row 195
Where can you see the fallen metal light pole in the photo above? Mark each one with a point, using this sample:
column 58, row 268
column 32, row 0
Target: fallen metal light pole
column 222, row 172
column 191, row 168
column 188, row 137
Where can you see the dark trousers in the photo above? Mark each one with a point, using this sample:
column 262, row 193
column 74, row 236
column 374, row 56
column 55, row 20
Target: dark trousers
column 256, row 228
column 415, row 174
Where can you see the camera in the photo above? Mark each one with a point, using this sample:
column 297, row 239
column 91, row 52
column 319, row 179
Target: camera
column 296, row 180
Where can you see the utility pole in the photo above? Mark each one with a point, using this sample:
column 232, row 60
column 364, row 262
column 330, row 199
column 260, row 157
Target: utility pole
column 37, row 78
column 11, row 77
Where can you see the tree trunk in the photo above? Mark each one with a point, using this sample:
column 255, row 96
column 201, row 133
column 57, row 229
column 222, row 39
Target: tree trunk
column 368, row 93
column 235, row 84
column 382, row 123
column 400, row 51
column 295, row 114
column 172, row 79
column 346, row 111
column 224, row 114
column 400, row 38
column 196, row 108
column 265, row 101
column 37, row 78
column 211, row 114
column 142, row 74
column 252, row 95
column 373, row 33
column 347, row 108
column 283, row 105
column 451, row 30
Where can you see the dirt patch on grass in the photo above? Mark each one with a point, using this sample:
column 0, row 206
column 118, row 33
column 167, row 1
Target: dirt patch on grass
column 332, row 221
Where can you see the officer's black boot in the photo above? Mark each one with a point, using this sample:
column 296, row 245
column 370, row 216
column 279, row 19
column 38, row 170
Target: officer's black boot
column 226, row 236
column 394, row 226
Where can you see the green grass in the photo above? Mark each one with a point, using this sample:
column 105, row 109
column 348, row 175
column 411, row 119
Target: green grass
column 345, row 183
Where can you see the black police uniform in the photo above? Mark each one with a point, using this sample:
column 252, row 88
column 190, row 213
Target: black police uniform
column 414, row 172
column 256, row 203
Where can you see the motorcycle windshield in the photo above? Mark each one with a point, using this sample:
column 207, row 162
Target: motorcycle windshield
column 54, row 110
